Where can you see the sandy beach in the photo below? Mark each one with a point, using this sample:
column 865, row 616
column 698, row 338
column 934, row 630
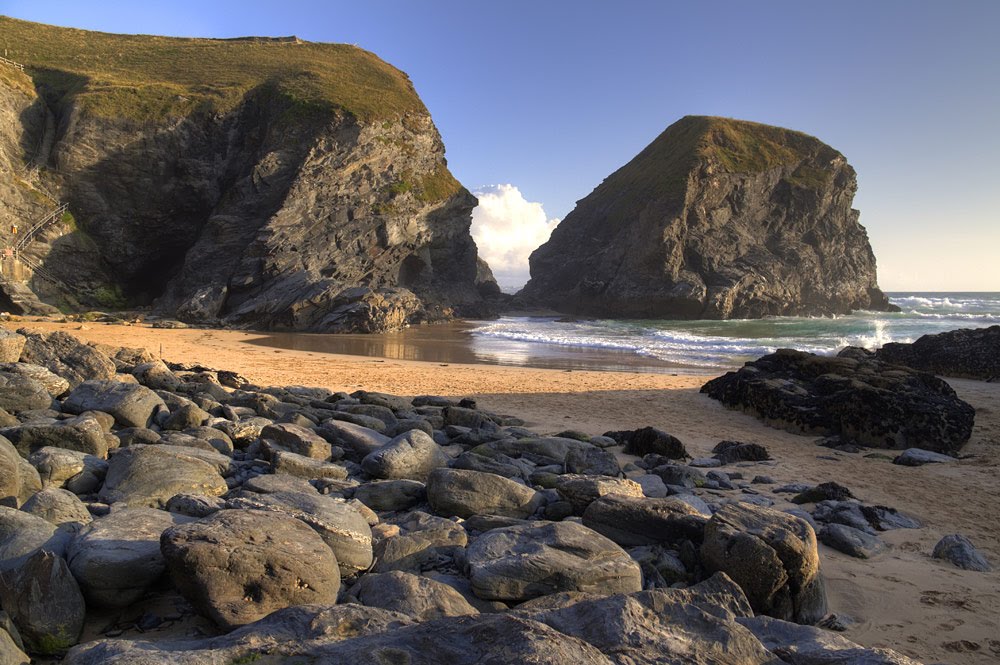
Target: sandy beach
column 903, row 599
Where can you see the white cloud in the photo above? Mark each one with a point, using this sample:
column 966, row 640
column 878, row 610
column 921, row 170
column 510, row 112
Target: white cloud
column 507, row 228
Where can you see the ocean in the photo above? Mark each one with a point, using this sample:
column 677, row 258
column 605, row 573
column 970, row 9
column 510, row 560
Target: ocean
column 709, row 346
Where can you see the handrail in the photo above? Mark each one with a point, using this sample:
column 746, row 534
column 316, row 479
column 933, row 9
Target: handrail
column 15, row 65
column 29, row 235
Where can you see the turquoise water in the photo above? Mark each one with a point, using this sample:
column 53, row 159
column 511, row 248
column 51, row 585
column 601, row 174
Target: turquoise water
column 723, row 344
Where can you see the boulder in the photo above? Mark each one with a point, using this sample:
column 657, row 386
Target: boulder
column 631, row 521
column 66, row 356
column 186, row 417
column 149, row 475
column 772, row 556
column 967, row 353
column 519, row 563
column 806, row 645
column 423, row 541
column 339, row 524
column 83, row 433
column 11, row 345
column 695, row 626
column 356, row 440
column 58, row 507
column 419, row 597
column 296, row 439
column 12, row 649
column 23, row 534
column 851, row 541
column 730, row 452
column 283, row 461
column 959, row 550
column 919, row 457
column 78, row 472
column 581, row 490
column 391, row 495
column 859, row 399
column 155, row 375
column 45, row 602
column 131, row 405
column 412, row 455
column 53, row 383
column 11, row 482
column 460, row 493
column 117, row 557
column 649, row 440
column 237, row 566
column 21, row 393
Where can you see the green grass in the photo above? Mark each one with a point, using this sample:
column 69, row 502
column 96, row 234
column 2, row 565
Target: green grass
column 150, row 77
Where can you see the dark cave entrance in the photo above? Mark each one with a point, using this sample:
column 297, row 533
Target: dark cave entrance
column 150, row 280
column 414, row 271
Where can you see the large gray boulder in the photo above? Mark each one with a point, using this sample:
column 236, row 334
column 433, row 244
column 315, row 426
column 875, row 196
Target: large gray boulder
column 63, row 354
column 695, row 626
column 338, row 523
column 21, row 393
column 45, row 602
column 423, row 541
column 412, row 455
column 149, row 475
column 413, row 595
column 806, row 645
column 631, row 521
column 22, row 534
column 12, row 649
column 238, row 566
column 581, row 490
column 356, row 440
column 519, row 563
column 391, row 495
column 772, row 556
column 959, row 550
column 296, row 439
column 11, row 345
column 18, row 480
column 155, row 375
column 58, row 507
column 117, row 557
column 460, row 493
column 54, row 384
column 78, row 472
column 132, row 405
column 83, row 433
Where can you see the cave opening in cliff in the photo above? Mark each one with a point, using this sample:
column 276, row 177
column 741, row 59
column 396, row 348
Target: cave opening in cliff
column 150, row 281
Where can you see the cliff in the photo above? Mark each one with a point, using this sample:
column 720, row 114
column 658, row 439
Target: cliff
column 715, row 219
column 267, row 183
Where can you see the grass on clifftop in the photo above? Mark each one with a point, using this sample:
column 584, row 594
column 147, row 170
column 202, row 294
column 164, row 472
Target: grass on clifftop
column 150, row 77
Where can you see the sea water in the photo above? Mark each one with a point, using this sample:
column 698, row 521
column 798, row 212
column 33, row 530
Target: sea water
column 711, row 345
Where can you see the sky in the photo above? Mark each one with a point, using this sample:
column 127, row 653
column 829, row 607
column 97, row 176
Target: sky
column 539, row 101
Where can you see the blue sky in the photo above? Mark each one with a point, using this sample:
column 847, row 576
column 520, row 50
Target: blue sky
column 551, row 96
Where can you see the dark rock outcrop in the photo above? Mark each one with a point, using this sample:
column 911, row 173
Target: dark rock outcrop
column 860, row 399
column 308, row 191
column 715, row 219
column 967, row 353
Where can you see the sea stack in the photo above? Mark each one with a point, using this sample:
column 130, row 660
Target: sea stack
column 715, row 219
column 266, row 183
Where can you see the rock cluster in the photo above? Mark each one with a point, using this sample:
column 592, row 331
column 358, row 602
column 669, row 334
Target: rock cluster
column 854, row 396
column 433, row 532
column 967, row 353
column 715, row 219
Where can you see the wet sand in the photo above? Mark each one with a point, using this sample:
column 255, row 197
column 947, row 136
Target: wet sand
column 902, row 599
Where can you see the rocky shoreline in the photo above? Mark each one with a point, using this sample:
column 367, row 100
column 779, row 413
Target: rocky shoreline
column 368, row 526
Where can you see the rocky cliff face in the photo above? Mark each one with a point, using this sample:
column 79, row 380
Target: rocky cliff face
column 715, row 219
column 265, row 183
